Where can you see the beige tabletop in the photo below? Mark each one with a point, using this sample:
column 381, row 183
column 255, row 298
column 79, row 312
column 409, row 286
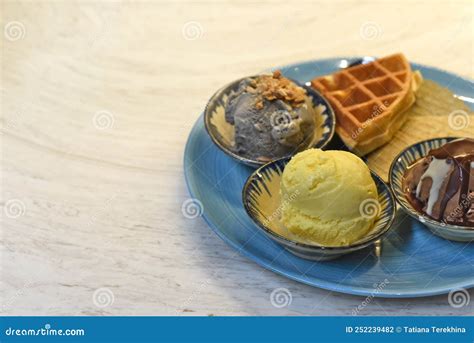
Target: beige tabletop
column 98, row 99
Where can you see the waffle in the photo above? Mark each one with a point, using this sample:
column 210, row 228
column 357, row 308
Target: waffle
column 370, row 100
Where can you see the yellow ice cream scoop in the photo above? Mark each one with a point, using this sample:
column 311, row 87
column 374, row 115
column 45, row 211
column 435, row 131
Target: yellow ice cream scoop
column 325, row 193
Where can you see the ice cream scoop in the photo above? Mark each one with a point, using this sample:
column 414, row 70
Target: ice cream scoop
column 441, row 184
column 272, row 116
column 330, row 197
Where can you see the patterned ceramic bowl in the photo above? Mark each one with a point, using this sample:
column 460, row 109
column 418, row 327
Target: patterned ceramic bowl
column 262, row 201
column 222, row 132
column 399, row 165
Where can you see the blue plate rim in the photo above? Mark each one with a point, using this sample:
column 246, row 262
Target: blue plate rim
column 328, row 59
column 329, row 286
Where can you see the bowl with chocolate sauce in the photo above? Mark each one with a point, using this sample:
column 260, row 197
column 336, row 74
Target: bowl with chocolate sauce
column 433, row 181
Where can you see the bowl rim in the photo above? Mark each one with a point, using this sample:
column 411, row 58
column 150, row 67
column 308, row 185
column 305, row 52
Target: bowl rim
column 256, row 163
column 421, row 217
column 293, row 243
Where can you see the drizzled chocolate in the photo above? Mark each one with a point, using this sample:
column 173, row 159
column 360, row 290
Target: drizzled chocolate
column 441, row 184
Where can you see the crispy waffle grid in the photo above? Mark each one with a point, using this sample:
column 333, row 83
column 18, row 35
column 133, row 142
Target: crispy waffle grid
column 366, row 91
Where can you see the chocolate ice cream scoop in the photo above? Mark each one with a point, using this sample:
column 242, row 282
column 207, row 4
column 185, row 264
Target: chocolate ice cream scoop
column 441, row 184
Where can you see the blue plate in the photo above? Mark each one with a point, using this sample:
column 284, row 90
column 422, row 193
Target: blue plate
column 411, row 261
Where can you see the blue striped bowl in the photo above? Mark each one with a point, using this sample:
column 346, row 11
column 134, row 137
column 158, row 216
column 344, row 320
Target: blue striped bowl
column 399, row 165
column 222, row 132
column 262, row 201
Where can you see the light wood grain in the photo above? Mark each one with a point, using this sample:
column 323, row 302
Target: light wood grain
column 101, row 208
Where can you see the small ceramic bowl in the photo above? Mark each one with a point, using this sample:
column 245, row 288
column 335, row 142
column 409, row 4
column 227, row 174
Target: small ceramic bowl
column 262, row 201
column 222, row 132
column 399, row 165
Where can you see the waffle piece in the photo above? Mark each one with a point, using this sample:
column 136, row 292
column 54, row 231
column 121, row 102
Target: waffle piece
column 370, row 100
column 427, row 118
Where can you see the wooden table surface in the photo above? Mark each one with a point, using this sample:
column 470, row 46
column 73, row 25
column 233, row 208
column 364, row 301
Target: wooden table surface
column 97, row 103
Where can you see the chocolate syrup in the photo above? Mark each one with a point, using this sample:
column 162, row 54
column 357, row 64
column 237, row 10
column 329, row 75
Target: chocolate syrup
column 441, row 185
